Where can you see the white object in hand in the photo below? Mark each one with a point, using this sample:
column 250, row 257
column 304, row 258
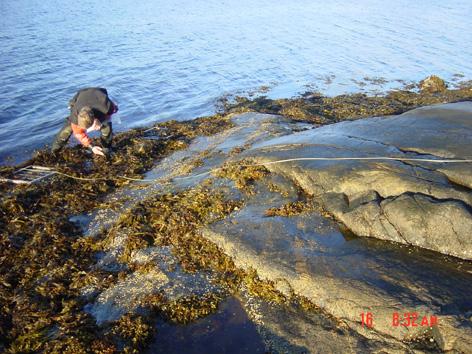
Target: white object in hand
column 95, row 126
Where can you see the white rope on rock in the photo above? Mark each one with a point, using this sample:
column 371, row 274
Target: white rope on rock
column 360, row 158
column 378, row 158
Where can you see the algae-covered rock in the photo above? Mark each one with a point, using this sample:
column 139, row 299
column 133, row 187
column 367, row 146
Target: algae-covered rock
column 47, row 269
column 432, row 84
column 269, row 232
column 316, row 108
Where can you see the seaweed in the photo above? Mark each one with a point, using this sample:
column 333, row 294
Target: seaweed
column 313, row 107
column 45, row 260
column 134, row 330
column 264, row 289
column 190, row 308
column 292, row 208
column 243, row 174
column 173, row 220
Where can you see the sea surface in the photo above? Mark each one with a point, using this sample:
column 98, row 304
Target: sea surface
column 173, row 59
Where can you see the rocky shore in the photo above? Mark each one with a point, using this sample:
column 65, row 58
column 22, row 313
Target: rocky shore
column 299, row 249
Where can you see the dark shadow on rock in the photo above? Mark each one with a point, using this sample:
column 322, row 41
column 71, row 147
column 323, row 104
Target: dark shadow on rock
column 229, row 330
column 446, row 280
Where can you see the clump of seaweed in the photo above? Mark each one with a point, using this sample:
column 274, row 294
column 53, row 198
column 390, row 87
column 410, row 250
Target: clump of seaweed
column 424, row 340
column 275, row 188
column 242, row 174
column 190, row 308
column 174, row 220
column 262, row 288
column 293, row 208
column 134, row 331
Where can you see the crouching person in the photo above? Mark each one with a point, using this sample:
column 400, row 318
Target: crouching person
column 90, row 109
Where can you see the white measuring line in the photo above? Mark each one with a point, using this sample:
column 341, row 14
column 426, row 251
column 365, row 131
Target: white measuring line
column 359, row 158
column 379, row 158
column 323, row 159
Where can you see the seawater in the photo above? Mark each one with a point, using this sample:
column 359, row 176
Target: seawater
column 172, row 59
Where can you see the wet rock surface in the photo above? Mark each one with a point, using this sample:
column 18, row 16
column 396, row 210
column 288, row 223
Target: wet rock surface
column 410, row 202
column 345, row 275
column 219, row 243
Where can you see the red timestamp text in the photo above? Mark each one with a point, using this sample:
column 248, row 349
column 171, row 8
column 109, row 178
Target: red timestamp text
column 413, row 319
column 406, row 319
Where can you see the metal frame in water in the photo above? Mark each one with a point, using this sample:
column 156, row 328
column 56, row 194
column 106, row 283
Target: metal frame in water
column 30, row 174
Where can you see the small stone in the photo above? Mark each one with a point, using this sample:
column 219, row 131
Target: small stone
column 432, row 84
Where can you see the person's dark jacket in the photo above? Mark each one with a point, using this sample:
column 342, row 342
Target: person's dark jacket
column 94, row 97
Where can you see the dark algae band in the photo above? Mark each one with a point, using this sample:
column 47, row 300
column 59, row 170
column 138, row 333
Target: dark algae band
column 316, row 108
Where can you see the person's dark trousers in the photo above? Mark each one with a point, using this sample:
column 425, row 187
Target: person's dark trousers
column 62, row 137
column 106, row 135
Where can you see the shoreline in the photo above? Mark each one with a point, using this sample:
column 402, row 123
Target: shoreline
column 318, row 108
column 49, row 260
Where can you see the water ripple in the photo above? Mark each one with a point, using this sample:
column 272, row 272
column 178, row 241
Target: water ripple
column 172, row 59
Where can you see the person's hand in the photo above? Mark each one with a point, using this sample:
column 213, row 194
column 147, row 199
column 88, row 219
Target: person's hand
column 97, row 150
column 95, row 126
